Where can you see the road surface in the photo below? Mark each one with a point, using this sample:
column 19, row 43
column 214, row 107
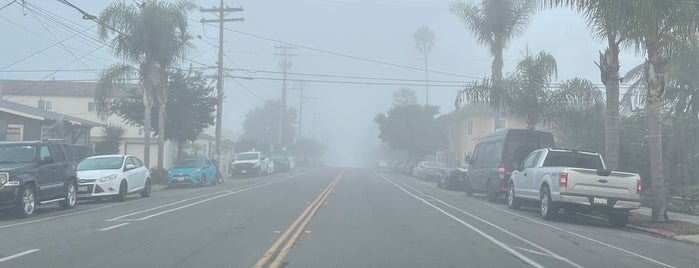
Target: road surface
column 322, row 218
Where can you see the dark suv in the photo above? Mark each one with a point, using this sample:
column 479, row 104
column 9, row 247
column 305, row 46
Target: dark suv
column 34, row 173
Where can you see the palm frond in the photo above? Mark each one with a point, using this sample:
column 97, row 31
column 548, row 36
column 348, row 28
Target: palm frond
column 475, row 20
column 518, row 20
column 115, row 77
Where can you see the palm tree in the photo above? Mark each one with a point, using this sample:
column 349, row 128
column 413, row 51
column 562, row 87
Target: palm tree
column 494, row 24
column 527, row 93
column 150, row 38
column 424, row 41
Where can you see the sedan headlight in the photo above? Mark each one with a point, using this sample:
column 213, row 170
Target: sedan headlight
column 108, row 178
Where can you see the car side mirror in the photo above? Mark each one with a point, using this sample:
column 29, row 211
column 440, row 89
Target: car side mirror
column 129, row 167
column 46, row 160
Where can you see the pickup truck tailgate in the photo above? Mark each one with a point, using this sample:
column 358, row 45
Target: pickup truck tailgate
column 589, row 182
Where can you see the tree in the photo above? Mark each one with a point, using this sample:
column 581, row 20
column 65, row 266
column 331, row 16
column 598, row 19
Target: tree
column 149, row 37
column 112, row 136
column 527, row 93
column 404, row 96
column 494, row 24
column 261, row 125
column 581, row 128
column 413, row 128
column 186, row 89
column 424, row 42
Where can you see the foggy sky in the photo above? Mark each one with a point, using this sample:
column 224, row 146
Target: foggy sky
column 373, row 29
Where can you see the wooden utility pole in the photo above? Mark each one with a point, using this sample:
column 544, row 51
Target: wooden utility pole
column 221, row 12
column 285, row 65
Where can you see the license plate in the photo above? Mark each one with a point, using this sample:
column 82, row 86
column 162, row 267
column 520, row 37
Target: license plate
column 243, row 171
column 82, row 188
column 599, row 201
column 180, row 179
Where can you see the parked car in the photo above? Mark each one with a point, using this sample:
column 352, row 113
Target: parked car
column 281, row 162
column 383, row 164
column 496, row 155
column 575, row 181
column 429, row 170
column 35, row 173
column 452, row 178
column 113, row 176
column 409, row 167
column 192, row 171
column 254, row 163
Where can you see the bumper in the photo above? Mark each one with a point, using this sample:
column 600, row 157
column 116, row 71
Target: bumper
column 8, row 196
column 245, row 170
column 597, row 202
column 87, row 190
column 182, row 180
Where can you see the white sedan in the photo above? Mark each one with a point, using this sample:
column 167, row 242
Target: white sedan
column 113, row 176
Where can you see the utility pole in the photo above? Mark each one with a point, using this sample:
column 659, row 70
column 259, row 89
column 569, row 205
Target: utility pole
column 222, row 12
column 285, row 65
column 302, row 99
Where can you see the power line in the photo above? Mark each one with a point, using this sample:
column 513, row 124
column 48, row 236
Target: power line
column 248, row 90
column 347, row 76
column 341, row 81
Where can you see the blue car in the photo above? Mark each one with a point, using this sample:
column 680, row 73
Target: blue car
column 192, row 171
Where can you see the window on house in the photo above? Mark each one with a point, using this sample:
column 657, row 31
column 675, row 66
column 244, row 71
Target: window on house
column 14, row 132
column 499, row 123
column 45, row 105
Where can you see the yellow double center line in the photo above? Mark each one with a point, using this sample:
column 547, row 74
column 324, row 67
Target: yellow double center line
column 297, row 228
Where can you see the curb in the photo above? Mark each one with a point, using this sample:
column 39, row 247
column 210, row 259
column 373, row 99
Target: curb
column 660, row 232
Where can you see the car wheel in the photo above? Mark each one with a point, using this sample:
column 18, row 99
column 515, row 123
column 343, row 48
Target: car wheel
column 202, row 180
column 146, row 189
column 490, row 195
column 617, row 219
column 26, row 203
column 468, row 191
column 123, row 188
column 512, row 201
column 71, row 196
column 548, row 209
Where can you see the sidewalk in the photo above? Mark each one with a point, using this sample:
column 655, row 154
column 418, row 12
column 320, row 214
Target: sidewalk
column 684, row 219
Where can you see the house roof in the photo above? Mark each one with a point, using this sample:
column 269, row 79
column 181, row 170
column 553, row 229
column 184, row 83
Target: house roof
column 39, row 114
column 52, row 88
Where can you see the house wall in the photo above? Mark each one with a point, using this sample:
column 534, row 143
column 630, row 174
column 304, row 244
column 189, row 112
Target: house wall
column 31, row 128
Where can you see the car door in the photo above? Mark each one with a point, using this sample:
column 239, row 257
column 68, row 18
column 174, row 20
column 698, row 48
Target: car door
column 528, row 177
column 47, row 186
column 134, row 176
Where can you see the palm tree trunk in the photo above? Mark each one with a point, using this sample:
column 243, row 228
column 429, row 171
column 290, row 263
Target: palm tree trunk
column 609, row 68
column 162, row 100
column 655, row 77
column 496, row 73
column 148, row 105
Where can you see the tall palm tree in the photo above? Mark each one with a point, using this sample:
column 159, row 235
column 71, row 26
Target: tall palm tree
column 494, row 24
column 424, row 42
column 149, row 37
column 527, row 93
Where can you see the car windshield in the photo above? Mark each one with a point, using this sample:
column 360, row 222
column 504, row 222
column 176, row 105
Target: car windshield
column 187, row 163
column 17, row 153
column 99, row 163
column 248, row 156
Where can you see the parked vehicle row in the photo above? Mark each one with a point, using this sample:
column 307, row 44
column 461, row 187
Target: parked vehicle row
column 257, row 164
column 523, row 167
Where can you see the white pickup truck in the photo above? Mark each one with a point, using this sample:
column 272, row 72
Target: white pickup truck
column 576, row 181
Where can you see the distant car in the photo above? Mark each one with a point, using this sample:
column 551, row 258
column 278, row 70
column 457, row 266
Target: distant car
column 192, row 171
column 113, row 176
column 254, row 163
column 453, row 178
column 382, row 164
column 428, row 170
column 281, row 162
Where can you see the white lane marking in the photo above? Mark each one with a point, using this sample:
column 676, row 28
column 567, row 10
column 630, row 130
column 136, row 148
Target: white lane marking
column 576, row 234
column 496, row 227
column 492, row 239
column 535, row 252
column 226, row 193
column 585, row 237
column 114, row 227
column 19, row 255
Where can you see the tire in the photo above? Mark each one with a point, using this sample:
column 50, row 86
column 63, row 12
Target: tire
column 146, row 189
column 123, row 189
column 71, row 197
column 617, row 219
column 26, row 202
column 512, row 200
column 547, row 209
column 490, row 195
column 202, row 180
column 468, row 191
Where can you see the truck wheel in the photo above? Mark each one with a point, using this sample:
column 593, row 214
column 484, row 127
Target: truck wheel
column 71, row 196
column 468, row 191
column 548, row 209
column 512, row 201
column 490, row 195
column 617, row 219
column 26, row 202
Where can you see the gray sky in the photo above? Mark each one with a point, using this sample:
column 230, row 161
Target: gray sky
column 371, row 29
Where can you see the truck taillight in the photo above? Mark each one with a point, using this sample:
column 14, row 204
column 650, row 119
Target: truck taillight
column 563, row 180
column 638, row 186
column 501, row 171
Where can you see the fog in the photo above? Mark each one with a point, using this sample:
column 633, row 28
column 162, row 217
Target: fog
column 371, row 30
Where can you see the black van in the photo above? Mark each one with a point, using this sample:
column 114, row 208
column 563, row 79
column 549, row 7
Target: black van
column 499, row 153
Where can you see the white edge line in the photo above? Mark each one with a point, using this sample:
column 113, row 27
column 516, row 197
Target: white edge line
column 19, row 255
column 536, row 252
column 492, row 239
column 114, row 227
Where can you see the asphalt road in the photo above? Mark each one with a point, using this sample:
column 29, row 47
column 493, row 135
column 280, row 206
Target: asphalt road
column 322, row 218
